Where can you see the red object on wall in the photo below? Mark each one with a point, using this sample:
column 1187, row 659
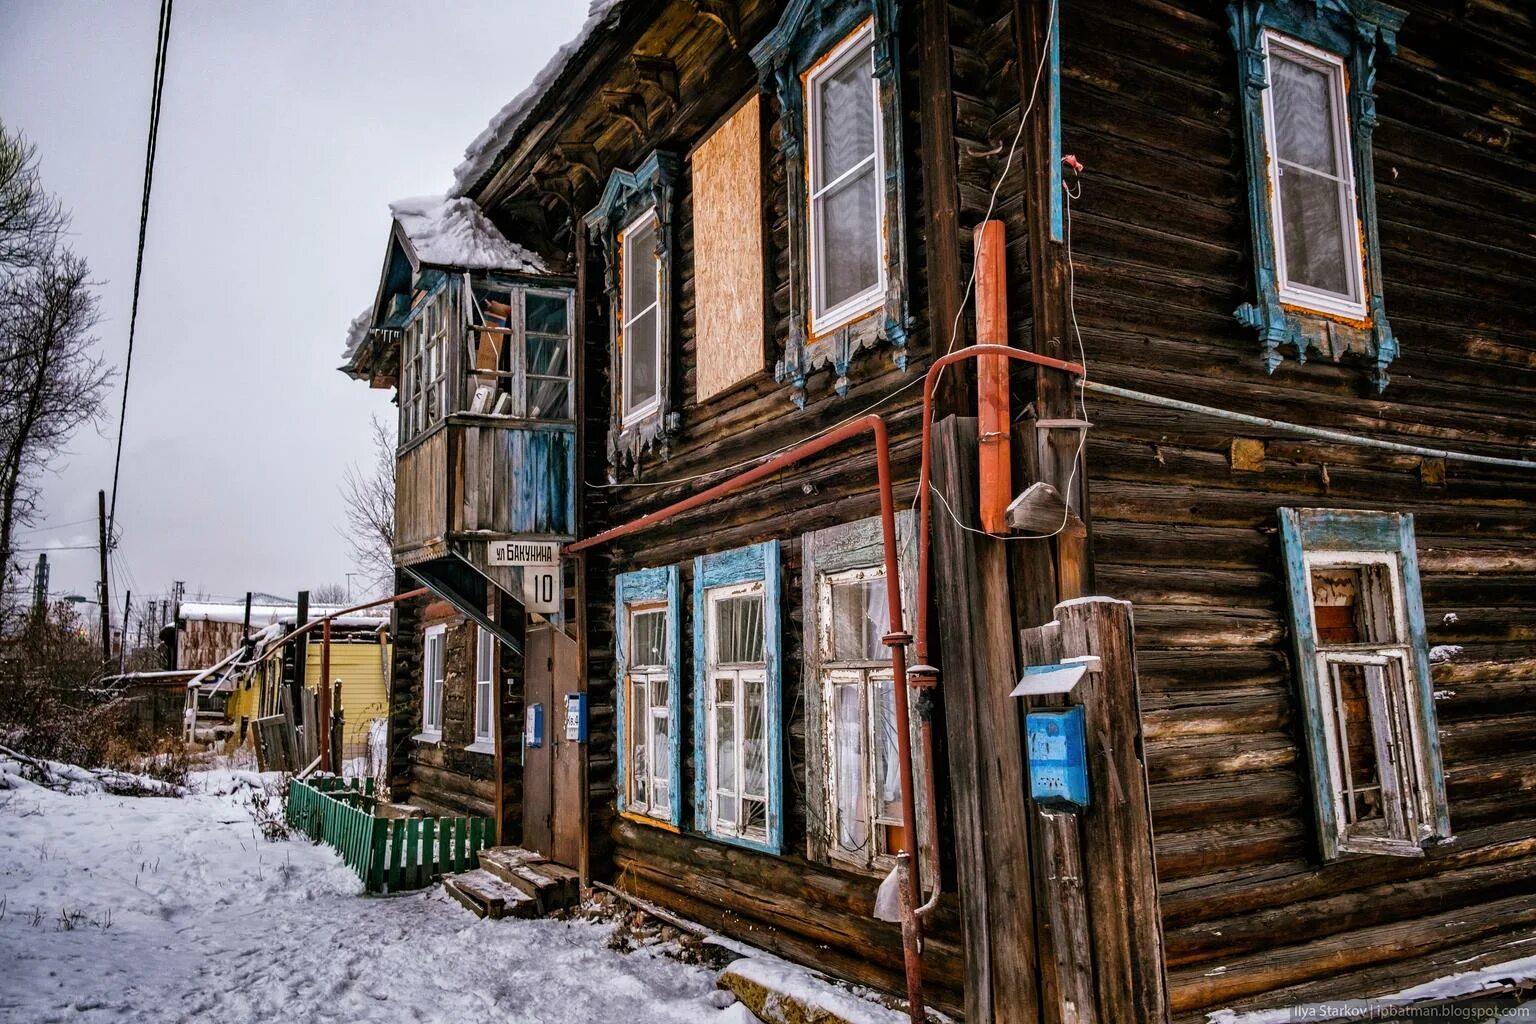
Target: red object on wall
column 992, row 406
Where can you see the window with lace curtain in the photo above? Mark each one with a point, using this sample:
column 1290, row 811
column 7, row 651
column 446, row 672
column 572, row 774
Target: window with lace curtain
column 647, row 631
column 737, row 703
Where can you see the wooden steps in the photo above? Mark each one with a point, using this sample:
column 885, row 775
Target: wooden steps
column 485, row 895
column 540, row 887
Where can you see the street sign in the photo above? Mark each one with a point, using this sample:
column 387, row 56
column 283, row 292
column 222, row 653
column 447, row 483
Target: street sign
column 524, row 552
column 541, row 589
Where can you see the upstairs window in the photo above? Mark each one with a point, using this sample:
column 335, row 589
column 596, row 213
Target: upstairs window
column 424, row 377
column 433, row 666
column 640, row 331
column 1306, row 71
column 632, row 222
column 520, row 353
column 739, row 733
column 847, row 252
column 1364, row 671
column 1312, row 184
column 647, row 609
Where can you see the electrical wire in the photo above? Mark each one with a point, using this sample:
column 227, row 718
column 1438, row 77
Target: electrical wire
column 162, row 45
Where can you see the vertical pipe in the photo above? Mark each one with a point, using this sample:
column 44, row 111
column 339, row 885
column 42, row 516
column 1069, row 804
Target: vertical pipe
column 994, row 420
column 494, row 606
column 325, row 696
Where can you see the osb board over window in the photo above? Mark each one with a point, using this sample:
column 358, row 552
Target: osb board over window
column 728, row 252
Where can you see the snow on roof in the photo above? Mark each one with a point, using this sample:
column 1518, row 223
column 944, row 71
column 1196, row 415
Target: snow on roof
column 452, row 232
column 266, row 614
column 357, row 333
column 482, row 153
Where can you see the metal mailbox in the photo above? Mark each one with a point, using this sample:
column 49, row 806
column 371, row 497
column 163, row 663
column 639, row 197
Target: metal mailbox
column 1058, row 757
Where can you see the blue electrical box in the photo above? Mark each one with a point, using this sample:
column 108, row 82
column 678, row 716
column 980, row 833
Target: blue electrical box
column 1058, row 757
column 533, row 726
column 576, row 717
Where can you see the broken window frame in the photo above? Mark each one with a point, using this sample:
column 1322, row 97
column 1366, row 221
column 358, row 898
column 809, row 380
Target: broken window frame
column 510, row 345
column 638, row 592
column 423, row 366
column 434, row 650
column 1395, row 666
column 750, row 570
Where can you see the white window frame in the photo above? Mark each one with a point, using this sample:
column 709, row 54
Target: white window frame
column 1353, row 305
column 424, row 368
column 740, row 674
column 634, row 414
column 647, row 676
column 864, row 674
column 824, row 321
column 1415, row 813
column 485, row 692
column 433, row 675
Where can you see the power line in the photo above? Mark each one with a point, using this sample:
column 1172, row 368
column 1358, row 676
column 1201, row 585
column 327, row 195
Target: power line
column 162, row 44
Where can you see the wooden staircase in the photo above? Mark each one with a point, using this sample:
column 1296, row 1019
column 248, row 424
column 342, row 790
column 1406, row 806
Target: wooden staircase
column 513, row 882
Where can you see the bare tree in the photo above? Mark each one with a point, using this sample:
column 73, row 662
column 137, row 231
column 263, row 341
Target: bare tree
column 51, row 379
column 370, row 498
column 329, row 594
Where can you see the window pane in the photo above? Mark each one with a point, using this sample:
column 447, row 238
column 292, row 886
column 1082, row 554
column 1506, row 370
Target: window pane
column 661, row 744
column 850, row 760
column 482, row 710
column 1357, row 745
column 639, row 716
column 739, row 630
column 639, row 268
column 545, row 314
column 848, row 239
column 847, row 128
column 887, row 759
column 640, row 360
column 754, row 815
column 547, row 357
column 1311, row 218
column 754, row 739
column 725, row 761
column 1303, row 105
column 1353, row 604
column 549, row 398
column 648, row 638
column 860, row 618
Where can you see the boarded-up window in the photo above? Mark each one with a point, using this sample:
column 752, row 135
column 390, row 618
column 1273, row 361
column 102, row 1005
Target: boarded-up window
column 728, row 253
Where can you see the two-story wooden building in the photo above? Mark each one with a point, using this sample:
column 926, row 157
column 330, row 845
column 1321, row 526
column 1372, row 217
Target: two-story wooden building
column 1276, row 258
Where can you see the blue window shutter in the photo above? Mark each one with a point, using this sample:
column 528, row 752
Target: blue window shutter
column 649, row 585
column 1304, row 530
column 741, row 565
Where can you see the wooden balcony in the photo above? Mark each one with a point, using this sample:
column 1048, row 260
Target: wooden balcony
column 477, row 478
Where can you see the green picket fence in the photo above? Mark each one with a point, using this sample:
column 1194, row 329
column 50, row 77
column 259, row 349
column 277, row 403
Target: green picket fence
column 388, row 854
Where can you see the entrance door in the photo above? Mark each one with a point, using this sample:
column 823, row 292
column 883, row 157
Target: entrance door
column 554, row 811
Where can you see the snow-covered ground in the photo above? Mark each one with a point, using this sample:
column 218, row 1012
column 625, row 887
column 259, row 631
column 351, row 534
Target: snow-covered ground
column 167, row 910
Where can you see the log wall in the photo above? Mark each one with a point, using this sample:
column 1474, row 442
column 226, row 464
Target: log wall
column 1161, row 257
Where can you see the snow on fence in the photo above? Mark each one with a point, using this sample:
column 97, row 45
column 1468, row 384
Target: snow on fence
column 388, row 854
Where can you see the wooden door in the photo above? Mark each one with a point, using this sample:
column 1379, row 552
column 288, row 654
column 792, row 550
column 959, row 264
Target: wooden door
column 554, row 811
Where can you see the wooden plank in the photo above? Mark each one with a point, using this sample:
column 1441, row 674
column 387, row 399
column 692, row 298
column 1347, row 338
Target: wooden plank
column 1120, row 877
column 428, row 849
column 940, row 172
column 991, row 836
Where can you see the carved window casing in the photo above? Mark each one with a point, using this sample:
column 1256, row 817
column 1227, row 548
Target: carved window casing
column 636, row 214
column 1363, row 666
column 817, row 51
column 1307, row 73
column 647, row 653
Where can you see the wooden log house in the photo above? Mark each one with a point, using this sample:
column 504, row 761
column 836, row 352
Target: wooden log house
column 1290, row 244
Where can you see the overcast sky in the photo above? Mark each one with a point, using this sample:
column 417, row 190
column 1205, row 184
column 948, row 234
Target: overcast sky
column 285, row 129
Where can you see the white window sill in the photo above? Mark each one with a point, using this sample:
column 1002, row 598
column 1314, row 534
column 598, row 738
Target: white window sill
column 482, row 747
column 428, row 737
column 851, row 312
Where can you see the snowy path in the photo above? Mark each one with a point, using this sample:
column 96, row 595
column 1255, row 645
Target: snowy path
column 187, row 915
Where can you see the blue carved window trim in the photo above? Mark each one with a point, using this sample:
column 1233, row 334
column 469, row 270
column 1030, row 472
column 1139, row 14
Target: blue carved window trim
column 649, row 587
column 751, row 564
column 1324, row 539
column 627, row 196
column 807, row 31
column 1353, row 30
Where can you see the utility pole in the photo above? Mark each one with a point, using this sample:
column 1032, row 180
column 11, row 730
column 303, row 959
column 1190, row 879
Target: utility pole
column 40, row 588
column 122, row 647
column 105, row 598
